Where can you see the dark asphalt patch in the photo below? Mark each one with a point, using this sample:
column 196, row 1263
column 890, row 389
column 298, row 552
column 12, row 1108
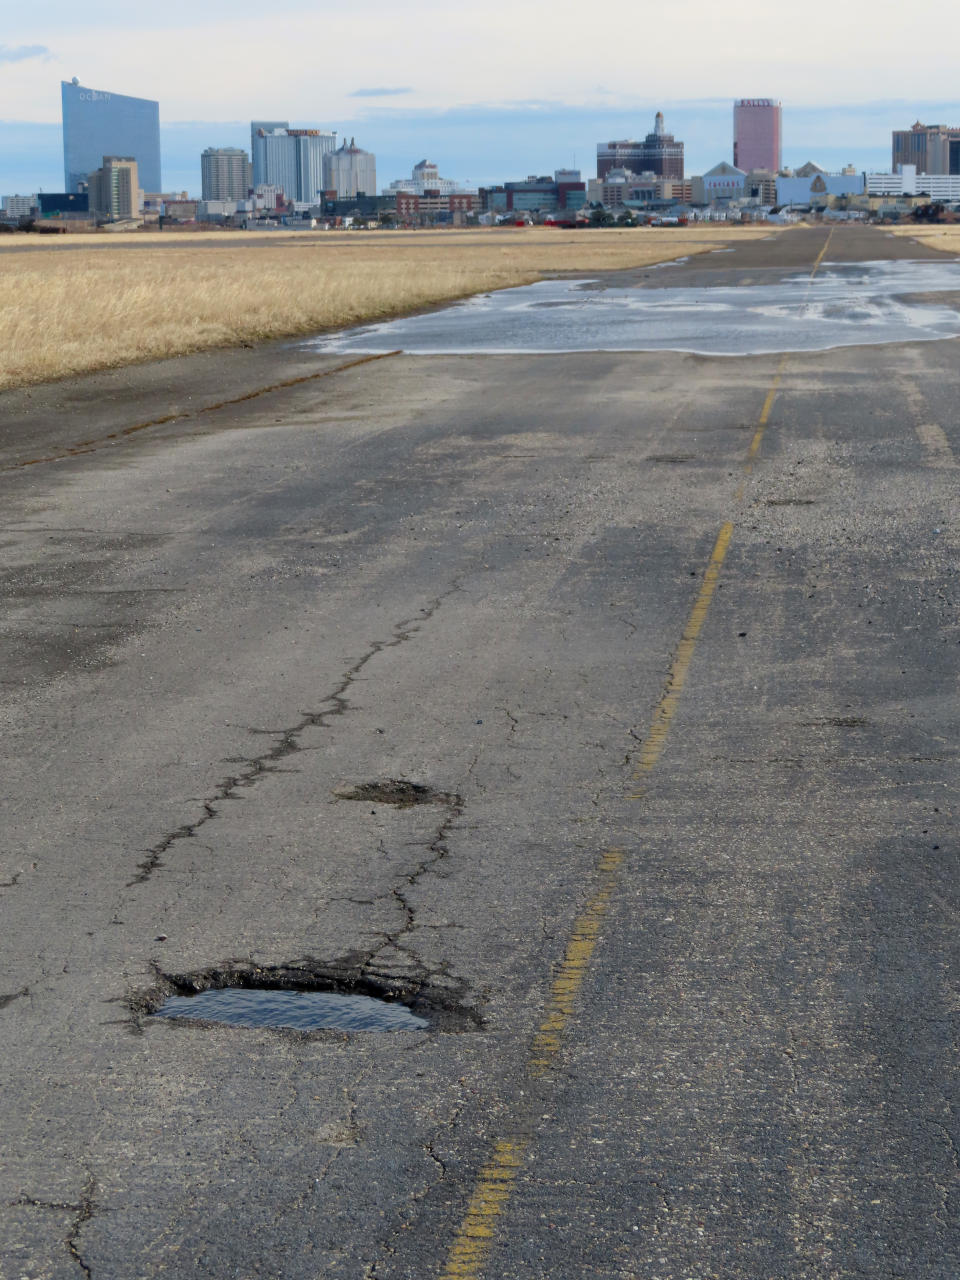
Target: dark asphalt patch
column 835, row 722
column 397, row 792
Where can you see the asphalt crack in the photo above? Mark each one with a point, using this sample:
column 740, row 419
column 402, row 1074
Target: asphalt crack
column 413, row 1205
column 83, row 1211
column 437, row 850
column 17, row 876
column 944, row 1188
column 287, row 741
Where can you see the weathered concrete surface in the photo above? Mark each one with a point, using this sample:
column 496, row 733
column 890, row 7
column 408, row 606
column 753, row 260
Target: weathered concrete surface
column 474, row 573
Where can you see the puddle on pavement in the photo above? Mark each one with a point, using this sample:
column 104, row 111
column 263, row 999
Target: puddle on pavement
column 296, row 1010
column 843, row 305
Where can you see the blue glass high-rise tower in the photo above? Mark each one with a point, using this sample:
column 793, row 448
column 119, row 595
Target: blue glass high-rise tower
column 98, row 124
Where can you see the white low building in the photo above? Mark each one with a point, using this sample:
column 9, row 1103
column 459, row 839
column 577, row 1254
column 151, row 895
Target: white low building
column 425, row 177
column 723, row 182
column 223, row 208
column 19, row 206
column 812, row 186
column 907, row 182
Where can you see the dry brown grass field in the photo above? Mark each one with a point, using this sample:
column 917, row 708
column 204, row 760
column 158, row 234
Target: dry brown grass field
column 71, row 304
column 945, row 238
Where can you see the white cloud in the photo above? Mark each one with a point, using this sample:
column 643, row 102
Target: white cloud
column 22, row 52
column 233, row 59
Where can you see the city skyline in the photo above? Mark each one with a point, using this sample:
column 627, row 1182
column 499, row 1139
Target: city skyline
column 480, row 147
column 440, row 80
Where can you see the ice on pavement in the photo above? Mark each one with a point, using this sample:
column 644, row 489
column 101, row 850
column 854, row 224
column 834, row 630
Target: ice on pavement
column 855, row 305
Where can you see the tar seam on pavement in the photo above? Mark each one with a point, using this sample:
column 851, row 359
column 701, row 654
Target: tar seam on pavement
column 91, row 446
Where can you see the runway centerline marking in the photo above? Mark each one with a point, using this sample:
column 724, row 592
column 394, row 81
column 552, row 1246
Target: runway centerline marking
column 477, row 1231
column 653, row 746
column 475, row 1236
column 937, row 446
column 931, row 435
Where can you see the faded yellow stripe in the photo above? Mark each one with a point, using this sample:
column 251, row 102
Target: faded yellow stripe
column 653, row 745
column 764, row 418
column 566, row 985
column 822, row 254
column 475, row 1236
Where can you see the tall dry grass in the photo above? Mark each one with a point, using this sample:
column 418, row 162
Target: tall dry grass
column 67, row 309
column 945, row 238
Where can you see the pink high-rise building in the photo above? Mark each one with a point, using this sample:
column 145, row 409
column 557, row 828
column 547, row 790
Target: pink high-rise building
column 757, row 129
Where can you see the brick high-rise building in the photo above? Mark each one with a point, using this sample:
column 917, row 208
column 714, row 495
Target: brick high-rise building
column 659, row 153
column 662, row 154
column 933, row 148
column 623, row 154
column 757, row 134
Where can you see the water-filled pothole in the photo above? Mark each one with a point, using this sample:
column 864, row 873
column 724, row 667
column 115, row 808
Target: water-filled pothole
column 398, row 792
column 297, row 1010
column 310, row 995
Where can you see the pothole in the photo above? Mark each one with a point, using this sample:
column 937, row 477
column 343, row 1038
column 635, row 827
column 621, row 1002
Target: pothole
column 309, row 996
column 296, row 1010
column 398, row 792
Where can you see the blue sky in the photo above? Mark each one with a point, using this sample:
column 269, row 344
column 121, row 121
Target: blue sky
column 492, row 90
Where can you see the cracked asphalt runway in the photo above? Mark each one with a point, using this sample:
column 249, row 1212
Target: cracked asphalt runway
column 675, row 640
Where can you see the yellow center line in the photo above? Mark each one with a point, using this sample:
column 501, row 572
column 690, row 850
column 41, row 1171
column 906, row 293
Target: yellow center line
column 476, row 1234
column 566, row 985
column 762, row 421
column 822, row 254
column 764, row 418
column 660, row 726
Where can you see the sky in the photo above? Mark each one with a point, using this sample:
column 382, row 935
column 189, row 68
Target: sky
column 491, row 90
